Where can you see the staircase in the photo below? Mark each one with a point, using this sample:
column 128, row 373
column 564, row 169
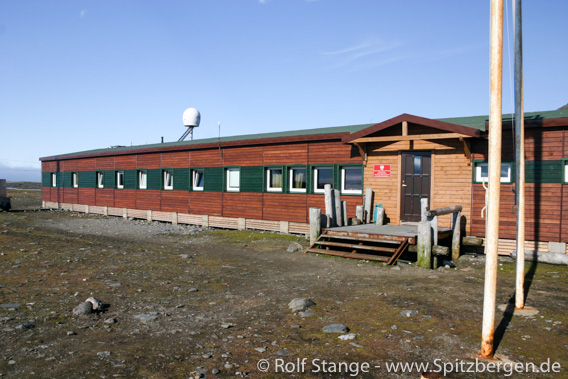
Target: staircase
column 373, row 247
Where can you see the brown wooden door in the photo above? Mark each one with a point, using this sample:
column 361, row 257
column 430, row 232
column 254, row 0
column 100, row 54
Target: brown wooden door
column 415, row 183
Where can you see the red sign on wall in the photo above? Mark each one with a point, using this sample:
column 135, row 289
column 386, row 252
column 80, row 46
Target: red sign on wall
column 382, row 170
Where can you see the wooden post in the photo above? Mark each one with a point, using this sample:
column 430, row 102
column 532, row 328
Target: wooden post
column 456, row 235
column 337, row 203
column 380, row 216
column 424, row 245
column 344, row 207
column 328, row 205
column 423, row 208
column 315, row 224
column 359, row 212
column 368, row 203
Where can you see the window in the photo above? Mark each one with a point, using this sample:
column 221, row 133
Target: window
column 352, row 180
column 53, row 179
column 566, row 171
column 298, row 179
column 233, row 179
column 100, row 180
column 322, row 176
column 120, row 179
column 142, row 179
column 197, row 179
column 274, row 179
column 168, row 179
column 75, row 179
column 482, row 172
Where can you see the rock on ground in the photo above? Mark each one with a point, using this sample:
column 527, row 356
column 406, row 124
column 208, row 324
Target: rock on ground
column 300, row 304
column 82, row 309
column 335, row 328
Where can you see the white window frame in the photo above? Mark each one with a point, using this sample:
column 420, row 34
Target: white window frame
column 347, row 191
column 316, row 176
column 504, row 179
column 119, row 179
column 168, row 177
column 142, row 179
column 75, row 179
column 566, row 171
column 54, row 179
column 194, row 173
column 228, row 176
column 291, row 179
column 269, row 186
column 100, row 179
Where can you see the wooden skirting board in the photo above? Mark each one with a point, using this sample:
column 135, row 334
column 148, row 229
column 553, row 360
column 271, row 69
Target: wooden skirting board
column 285, row 227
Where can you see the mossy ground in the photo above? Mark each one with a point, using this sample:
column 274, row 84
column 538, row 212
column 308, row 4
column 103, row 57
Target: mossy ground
column 52, row 261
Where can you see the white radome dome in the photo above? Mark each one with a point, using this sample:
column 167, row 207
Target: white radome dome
column 191, row 117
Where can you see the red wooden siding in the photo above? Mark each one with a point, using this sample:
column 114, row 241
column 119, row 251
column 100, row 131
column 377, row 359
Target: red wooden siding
column 148, row 199
column 175, row 160
column 104, row 197
column 125, row 162
column 125, row 198
column 106, row 163
column 70, row 165
column 543, row 212
column 206, row 203
column 70, row 195
column 175, row 201
column 149, row 161
column 286, row 154
column 243, row 156
column 286, row 207
column 87, row 164
column 332, row 152
column 49, row 166
column 206, row 158
column 87, row 196
column 247, row 205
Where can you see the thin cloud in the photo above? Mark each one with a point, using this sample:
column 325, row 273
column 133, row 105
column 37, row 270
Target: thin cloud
column 360, row 52
column 83, row 13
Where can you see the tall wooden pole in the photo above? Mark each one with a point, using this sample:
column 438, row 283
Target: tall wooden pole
column 495, row 125
column 519, row 156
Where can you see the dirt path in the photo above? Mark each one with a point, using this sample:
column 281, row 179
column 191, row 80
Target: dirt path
column 183, row 301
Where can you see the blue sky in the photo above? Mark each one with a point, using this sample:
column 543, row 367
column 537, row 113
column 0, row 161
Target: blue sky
column 79, row 75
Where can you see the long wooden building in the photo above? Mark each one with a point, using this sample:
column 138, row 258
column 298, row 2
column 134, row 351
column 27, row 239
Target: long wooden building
column 269, row 181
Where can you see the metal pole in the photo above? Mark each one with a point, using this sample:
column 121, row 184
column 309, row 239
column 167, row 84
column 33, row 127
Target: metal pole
column 495, row 125
column 519, row 156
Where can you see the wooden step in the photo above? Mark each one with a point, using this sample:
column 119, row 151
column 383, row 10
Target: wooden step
column 345, row 254
column 357, row 246
column 365, row 239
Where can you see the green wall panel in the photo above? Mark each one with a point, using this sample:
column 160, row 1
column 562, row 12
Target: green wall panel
column 181, row 179
column 252, row 179
column 543, row 171
column 213, row 179
column 87, row 179
column 110, row 179
column 154, row 179
column 130, row 179
column 46, row 179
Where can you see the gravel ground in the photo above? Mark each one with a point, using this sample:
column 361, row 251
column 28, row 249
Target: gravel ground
column 183, row 301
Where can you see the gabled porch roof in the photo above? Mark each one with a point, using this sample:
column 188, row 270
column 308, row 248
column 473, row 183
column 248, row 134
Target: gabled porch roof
column 453, row 130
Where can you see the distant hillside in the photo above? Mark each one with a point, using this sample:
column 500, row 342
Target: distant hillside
column 564, row 107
